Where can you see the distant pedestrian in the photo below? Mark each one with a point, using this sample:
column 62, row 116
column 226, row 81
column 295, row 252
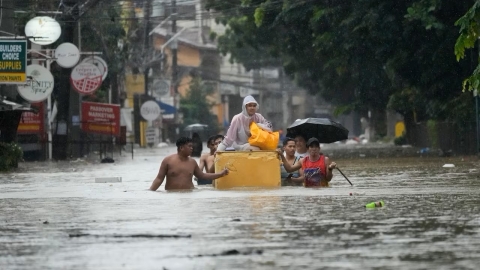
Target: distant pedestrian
column 197, row 145
column 178, row 169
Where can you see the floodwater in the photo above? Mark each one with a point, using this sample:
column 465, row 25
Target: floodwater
column 54, row 216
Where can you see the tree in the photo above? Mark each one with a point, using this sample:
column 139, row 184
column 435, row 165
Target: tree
column 469, row 25
column 196, row 107
column 358, row 55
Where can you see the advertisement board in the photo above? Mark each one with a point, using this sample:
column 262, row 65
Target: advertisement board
column 13, row 61
column 101, row 118
column 32, row 123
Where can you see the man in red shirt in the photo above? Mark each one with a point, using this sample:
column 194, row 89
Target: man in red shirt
column 315, row 169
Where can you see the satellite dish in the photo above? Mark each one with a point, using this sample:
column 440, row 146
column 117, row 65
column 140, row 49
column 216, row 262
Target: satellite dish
column 40, row 85
column 67, row 55
column 43, row 30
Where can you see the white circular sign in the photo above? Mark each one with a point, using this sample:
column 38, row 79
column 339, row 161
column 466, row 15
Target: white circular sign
column 150, row 110
column 39, row 84
column 43, row 30
column 99, row 62
column 86, row 78
column 161, row 88
column 67, row 55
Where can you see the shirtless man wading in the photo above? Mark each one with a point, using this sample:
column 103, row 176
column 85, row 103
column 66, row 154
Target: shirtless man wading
column 179, row 169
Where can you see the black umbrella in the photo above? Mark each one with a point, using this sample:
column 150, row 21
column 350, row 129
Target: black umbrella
column 324, row 129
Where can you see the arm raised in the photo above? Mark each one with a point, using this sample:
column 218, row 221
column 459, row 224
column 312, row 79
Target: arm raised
column 288, row 167
column 330, row 166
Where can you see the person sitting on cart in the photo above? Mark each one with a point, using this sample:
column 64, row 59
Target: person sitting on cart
column 239, row 130
column 315, row 169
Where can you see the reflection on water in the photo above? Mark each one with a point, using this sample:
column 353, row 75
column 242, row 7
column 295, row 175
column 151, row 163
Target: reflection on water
column 53, row 216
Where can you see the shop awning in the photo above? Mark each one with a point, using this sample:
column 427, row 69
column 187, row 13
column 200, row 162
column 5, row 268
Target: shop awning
column 166, row 109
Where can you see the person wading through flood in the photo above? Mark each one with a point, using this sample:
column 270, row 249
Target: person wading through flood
column 180, row 167
column 239, row 130
column 315, row 169
column 207, row 160
column 290, row 179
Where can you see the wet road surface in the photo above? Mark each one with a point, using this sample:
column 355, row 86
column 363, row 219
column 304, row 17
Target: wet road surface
column 54, row 216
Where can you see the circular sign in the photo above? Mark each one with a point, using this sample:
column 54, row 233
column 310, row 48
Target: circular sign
column 161, row 88
column 67, row 55
column 43, row 30
column 86, row 78
column 39, row 85
column 100, row 63
column 150, row 110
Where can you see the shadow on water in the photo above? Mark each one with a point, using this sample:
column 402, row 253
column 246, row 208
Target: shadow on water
column 60, row 219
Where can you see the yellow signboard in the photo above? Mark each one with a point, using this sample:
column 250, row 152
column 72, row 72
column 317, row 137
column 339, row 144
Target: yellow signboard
column 134, row 84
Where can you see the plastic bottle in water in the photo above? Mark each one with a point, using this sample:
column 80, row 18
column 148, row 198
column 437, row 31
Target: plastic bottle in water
column 375, row 204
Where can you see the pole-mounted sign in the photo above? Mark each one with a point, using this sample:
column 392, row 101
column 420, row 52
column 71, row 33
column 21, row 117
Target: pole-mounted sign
column 13, row 61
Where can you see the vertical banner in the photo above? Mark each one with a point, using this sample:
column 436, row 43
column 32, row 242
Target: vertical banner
column 134, row 84
column 13, row 61
column 101, row 118
column 33, row 123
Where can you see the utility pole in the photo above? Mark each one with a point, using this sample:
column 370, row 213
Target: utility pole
column 174, row 48
column 146, row 44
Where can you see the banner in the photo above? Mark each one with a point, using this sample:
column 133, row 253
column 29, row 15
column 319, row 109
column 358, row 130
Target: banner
column 32, row 123
column 134, row 84
column 101, row 118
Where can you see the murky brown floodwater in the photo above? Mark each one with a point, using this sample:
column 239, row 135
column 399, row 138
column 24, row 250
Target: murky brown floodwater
column 53, row 216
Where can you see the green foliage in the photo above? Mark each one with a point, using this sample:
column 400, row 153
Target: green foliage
column 10, row 155
column 358, row 55
column 469, row 33
column 196, row 107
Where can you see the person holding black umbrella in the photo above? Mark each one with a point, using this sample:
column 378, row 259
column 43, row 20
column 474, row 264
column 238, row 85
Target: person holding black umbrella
column 315, row 169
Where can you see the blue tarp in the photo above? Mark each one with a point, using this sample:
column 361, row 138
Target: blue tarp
column 166, row 109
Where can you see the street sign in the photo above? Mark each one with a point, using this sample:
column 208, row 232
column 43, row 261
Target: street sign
column 32, row 123
column 43, row 30
column 67, row 55
column 98, row 62
column 101, row 118
column 86, row 78
column 13, row 61
column 150, row 135
column 150, row 110
column 39, row 86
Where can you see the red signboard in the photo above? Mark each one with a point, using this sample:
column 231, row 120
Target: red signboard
column 32, row 123
column 101, row 118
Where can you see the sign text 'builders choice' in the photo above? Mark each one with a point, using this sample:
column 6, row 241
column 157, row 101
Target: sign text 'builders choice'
column 13, row 61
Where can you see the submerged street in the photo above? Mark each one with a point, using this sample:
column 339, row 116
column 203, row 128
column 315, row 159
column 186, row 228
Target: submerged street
column 54, row 216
